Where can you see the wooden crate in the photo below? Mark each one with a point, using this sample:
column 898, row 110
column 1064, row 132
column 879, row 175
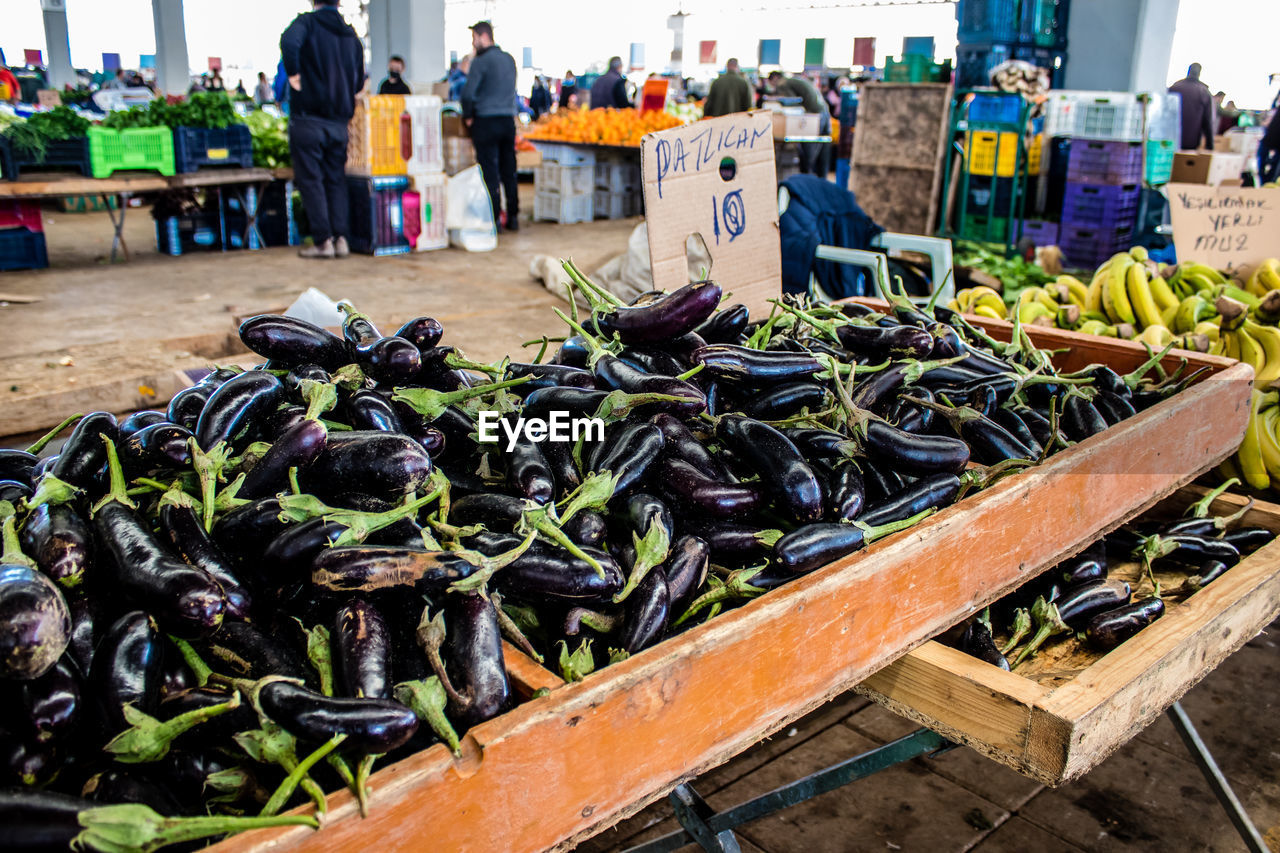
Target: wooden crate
column 1058, row 720
column 896, row 168
column 563, row 766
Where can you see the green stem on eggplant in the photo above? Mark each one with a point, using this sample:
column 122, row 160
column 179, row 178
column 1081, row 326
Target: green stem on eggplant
column 43, row 441
column 1048, row 624
column 651, row 552
column 148, row 739
column 140, row 829
column 428, row 699
column 363, row 770
column 512, row 631
column 488, row 566
column 578, row 664
column 431, row 403
column 458, row 362
column 319, row 654
column 290, row 784
column 209, row 468
column 1018, row 632
column 320, row 397
column 581, row 280
column 1200, row 509
column 12, row 555
column 736, row 586
column 116, row 491
column 536, row 519
column 593, row 493
column 192, row 659
column 691, row 372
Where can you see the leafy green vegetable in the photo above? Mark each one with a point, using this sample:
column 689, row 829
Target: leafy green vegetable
column 202, row 109
column 1014, row 272
column 31, row 138
column 270, row 139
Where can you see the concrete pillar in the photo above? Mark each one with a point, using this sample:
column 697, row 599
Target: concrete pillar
column 413, row 29
column 57, row 45
column 1120, row 45
column 173, row 69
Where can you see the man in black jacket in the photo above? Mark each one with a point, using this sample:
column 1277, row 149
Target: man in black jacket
column 325, row 63
column 394, row 83
column 489, row 110
column 611, row 89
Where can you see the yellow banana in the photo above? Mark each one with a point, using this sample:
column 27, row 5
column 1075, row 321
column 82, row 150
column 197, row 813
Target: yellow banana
column 1068, row 316
column 1190, row 311
column 1077, row 290
column 1140, row 298
column 1093, row 296
column 1138, row 253
column 1218, row 346
column 1198, row 281
column 1268, row 337
column 1208, row 328
column 1251, row 352
column 990, row 301
column 1230, row 344
column 953, row 305
column 1268, row 443
column 1268, row 275
column 1254, row 284
column 1205, row 271
column 1097, row 327
column 1249, row 456
column 1193, row 342
column 1162, row 293
column 1115, row 299
column 1167, row 316
column 1157, row 337
column 984, row 311
column 1031, row 312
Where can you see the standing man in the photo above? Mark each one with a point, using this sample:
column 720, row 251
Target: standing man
column 262, row 93
column 539, row 98
column 325, row 63
column 489, row 110
column 813, row 157
column 1197, row 110
column 394, row 84
column 729, row 93
column 611, row 89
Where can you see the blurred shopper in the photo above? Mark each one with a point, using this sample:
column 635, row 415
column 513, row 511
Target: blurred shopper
column 489, row 110
column 394, row 83
column 216, row 84
column 813, row 155
column 325, row 63
column 10, row 90
column 458, row 77
column 1269, row 146
column 1197, row 110
column 611, row 89
column 539, row 98
column 1228, row 113
column 729, row 93
column 262, row 93
column 568, row 88
column 116, row 82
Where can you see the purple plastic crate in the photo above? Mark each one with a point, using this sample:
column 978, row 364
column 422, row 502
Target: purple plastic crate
column 1094, row 161
column 1088, row 248
column 1106, row 206
column 1040, row 232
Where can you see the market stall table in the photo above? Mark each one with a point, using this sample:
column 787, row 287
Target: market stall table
column 128, row 185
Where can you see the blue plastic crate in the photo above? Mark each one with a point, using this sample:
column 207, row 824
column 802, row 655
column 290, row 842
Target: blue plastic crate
column 975, row 61
column 198, row 147
column 60, row 155
column 23, row 249
column 197, row 231
column 987, row 20
column 1005, row 109
column 377, row 215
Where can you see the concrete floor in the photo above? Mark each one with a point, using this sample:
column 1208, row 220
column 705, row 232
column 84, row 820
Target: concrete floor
column 158, row 311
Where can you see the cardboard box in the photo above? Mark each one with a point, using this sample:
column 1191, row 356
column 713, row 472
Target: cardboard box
column 440, row 90
column 1206, row 167
column 795, row 124
column 451, row 126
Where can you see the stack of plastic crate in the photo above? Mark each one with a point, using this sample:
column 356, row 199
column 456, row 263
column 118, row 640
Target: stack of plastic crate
column 564, row 184
column 990, row 32
column 617, row 188
column 22, row 243
column 995, row 171
column 421, row 140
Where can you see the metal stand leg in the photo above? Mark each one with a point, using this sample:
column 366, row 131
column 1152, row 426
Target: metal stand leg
column 1217, row 782
column 710, row 830
column 251, row 199
column 117, row 221
column 692, row 811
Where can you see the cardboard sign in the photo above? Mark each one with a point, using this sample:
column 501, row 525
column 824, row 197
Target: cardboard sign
column 715, row 179
column 1225, row 227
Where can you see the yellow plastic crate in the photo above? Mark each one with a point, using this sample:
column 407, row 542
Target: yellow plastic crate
column 983, row 145
column 374, row 136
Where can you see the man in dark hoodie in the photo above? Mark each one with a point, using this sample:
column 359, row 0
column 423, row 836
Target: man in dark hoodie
column 325, row 63
column 489, row 109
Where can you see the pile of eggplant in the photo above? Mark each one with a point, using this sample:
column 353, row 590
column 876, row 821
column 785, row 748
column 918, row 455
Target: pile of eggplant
column 212, row 613
column 1077, row 601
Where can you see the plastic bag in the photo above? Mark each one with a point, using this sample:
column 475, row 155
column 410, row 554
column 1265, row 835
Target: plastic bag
column 468, row 213
column 315, row 307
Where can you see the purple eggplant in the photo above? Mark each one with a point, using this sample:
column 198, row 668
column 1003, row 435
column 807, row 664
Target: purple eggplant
column 423, row 332
column 977, row 642
column 296, row 448
column 370, row 568
column 1110, row 628
column 83, row 457
column 246, row 531
column 1078, row 604
column 35, row 624
column 785, row 400
column 244, row 650
column 847, row 491
column 127, row 667
column 680, row 443
column 635, row 450
column 780, row 465
column 528, row 473
column 361, row 651
column 293, row 341
column 184, row 529
column 47, row 708
column 233, row 409
column 693, row 490
column 553, row 574
column 376, row 463
column 686, row 569
column 756, row 368
column 387, row 359
column 932, row 492
column 162, row 445
column 61, row 543
column 473, row 659
column 726, row 325
column 648, row 610
column 140, row 419
column 880, row 342
column 548, row 376
column 668, row 316
column 372, row 726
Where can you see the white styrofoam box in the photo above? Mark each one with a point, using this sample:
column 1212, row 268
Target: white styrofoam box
column 425, row 143
column 616, row 205
column 553, row 177
column 1164, row 117
column 1093, row 115
column 564, row 154
column 432, row 190
column 554, row 207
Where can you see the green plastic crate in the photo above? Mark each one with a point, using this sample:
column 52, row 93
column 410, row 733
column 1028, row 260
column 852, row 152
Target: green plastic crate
column 149, row 148
column 985, row 229
column 913, row 68
column 1159, row 161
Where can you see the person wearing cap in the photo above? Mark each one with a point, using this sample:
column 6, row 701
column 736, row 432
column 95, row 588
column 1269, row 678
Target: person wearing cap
column 611, row 89
column 489, row 110
column 324, row 60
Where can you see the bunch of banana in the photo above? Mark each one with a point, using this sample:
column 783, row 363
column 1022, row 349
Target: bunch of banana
column 1189, row 278
column 981, row 300
column 1265, row 278
column 1257, row 461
